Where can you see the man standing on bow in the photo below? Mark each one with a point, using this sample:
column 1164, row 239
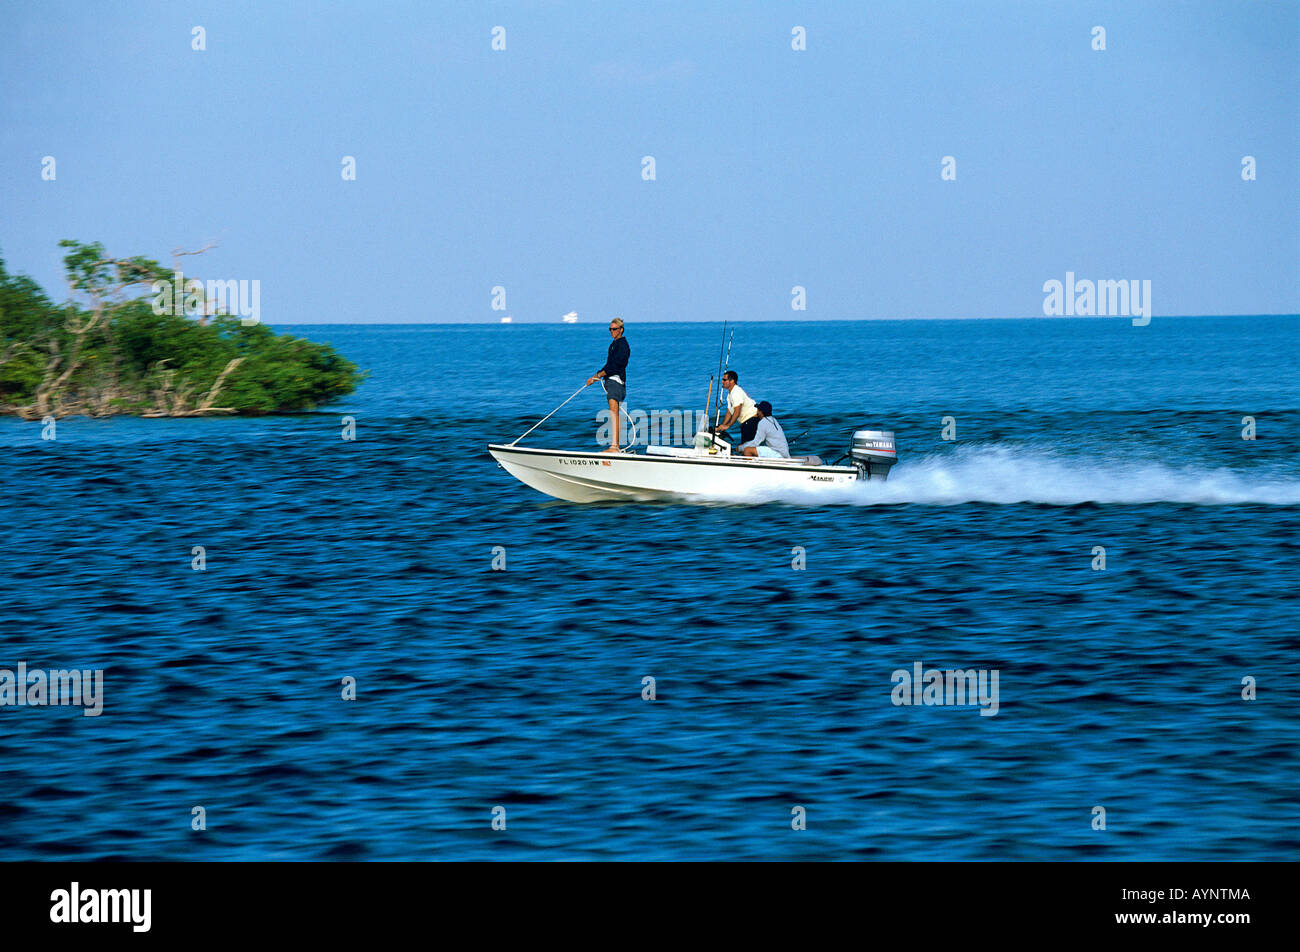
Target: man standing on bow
column 614, row 376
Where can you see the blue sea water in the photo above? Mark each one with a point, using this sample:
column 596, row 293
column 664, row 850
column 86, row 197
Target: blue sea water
column 522, row 688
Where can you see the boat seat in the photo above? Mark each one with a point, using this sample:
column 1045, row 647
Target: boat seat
column 691, row 452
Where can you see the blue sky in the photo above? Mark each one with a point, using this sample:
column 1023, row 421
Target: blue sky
column 775, row 168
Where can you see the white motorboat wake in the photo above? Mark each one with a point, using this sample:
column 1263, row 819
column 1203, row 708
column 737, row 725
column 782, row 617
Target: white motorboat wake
column 1013, row 474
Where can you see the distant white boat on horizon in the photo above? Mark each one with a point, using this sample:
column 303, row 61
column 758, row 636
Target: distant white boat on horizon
column 570, row 318
column 507, row 319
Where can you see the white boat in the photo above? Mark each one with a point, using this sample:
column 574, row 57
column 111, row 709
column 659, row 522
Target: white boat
column 570, row 318
column 678, row 473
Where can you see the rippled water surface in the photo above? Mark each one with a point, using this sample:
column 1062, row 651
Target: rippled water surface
column 372, row 559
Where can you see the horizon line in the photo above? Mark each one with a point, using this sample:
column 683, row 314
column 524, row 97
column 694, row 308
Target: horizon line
column 751, row 320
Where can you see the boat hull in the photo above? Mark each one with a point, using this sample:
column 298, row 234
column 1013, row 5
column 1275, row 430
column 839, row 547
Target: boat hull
column 611, row 477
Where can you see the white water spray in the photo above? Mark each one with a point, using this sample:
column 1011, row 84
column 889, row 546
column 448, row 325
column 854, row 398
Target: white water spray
column 1015, row 474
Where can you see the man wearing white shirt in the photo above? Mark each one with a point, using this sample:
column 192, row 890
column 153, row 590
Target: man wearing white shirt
column 740, row 408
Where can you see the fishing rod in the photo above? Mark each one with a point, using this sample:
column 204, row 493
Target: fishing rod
column 722, row 364
column 726, row 365
column 715, row 409
column 708, row 401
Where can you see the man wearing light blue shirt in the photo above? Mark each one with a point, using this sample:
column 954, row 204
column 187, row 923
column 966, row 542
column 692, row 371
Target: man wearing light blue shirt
column 769, row 438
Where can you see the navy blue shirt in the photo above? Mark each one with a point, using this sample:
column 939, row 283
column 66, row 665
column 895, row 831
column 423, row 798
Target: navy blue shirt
column 616, row 361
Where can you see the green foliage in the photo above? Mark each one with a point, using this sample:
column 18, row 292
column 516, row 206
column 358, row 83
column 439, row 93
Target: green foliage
column 25, row 313
column 281, row 372
column 113, row 354
column 90, row 271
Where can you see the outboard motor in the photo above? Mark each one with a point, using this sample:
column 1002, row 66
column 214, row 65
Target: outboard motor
column 873, row 453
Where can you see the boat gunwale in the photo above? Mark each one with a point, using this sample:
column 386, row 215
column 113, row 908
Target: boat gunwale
column 753, row 462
